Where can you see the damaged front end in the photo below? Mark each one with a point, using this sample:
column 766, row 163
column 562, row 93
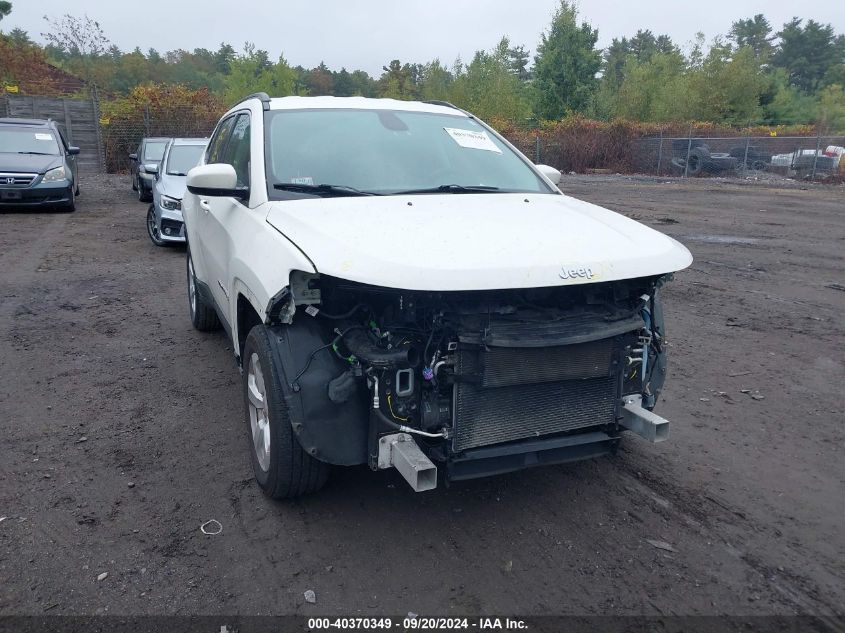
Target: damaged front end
column 475, row 382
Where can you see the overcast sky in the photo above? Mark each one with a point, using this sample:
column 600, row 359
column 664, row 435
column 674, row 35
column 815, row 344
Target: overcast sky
column 367, row 34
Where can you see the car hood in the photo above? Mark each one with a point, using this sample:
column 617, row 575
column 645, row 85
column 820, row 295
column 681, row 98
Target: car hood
column 473, row 241
column 28, row 163
column 173, row 186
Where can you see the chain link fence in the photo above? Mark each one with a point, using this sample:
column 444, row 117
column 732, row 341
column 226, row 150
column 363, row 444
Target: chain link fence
column 798, row 157
column 121, row 133
column 589, row 147
column 817, row 158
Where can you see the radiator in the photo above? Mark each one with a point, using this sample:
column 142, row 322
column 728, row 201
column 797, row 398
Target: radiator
column 507, row 394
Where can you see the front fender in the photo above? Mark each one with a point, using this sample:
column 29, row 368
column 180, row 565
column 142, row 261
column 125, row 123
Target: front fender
column 333, row 433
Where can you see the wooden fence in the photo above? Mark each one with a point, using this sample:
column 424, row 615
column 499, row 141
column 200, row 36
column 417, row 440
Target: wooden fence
column 79, row 118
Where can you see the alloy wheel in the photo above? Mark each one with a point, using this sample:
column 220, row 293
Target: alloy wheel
column 259, row 417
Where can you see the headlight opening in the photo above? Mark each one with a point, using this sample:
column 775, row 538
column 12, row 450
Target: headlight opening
column 55, row 174
column 171, row 204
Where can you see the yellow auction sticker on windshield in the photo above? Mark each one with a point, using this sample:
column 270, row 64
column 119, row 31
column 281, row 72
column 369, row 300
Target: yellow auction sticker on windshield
column 472, row 139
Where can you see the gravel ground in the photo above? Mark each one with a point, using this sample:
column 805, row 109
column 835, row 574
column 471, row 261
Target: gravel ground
column 123, row 432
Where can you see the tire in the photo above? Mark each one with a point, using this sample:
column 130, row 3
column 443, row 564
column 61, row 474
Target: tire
column 203, row 316
column 282, row 468
column 152, row 229
column 695, row 162
column 143, row 194
column 134, row 184
column 69, row 207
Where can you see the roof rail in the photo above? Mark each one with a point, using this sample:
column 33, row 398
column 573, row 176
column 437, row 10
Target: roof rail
column 261, row 96
column 443, row 103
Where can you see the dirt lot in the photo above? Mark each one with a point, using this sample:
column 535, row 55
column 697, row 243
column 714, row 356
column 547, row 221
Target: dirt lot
column 123, row 432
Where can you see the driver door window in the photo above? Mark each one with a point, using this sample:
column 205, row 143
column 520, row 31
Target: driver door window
column 237, row 150
column 217, row 145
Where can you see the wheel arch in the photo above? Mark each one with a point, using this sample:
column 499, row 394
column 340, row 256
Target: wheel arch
column 247, row 316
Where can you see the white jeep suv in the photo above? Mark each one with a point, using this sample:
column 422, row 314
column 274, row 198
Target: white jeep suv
column 404, row 289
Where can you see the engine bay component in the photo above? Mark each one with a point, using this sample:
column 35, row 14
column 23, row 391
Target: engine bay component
column 643, row 422
column 478, row 372
column 400, row 451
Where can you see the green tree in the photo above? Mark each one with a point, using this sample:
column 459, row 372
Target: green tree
column 518, row 60
column 728, row 86
column 488, row 87
column 643, row 46
column 251, row 72
column 754, row 33
column 436, row 82
column 364, row 85
column 615, row 58
column 566, row 65
column 5, row 9
column 224, row 57
column 808, row 52
column 641, row 49
column 397, row 81
column 19, row 37
column 831, row 109
column 657, row 90
column 785, row 103
column 319, row 81
column 344, row 86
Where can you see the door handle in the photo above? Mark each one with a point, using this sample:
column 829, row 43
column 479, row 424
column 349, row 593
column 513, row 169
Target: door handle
column 205, row 206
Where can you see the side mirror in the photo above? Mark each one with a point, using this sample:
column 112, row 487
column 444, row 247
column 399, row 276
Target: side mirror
column 151, row 168
column 133, row 156
column 217, row 179
column 72, row 151
column 551, row 173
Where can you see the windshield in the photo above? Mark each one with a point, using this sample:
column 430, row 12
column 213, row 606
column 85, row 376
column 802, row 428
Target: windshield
column 21, row 140
column 182, row 157
column 388, row 152
column 154, row 150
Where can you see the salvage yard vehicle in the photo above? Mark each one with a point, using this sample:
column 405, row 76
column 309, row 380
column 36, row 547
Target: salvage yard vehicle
column 695, row 158
column 144, row 163
column 37, row 165
column 164, row 217
column 404, row 289
column 751, row 156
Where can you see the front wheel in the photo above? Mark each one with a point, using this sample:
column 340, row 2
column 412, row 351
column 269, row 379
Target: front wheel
column 143, row 194
column 152, row 227
column 70, row 206
column 282, row 468
column 203, row 316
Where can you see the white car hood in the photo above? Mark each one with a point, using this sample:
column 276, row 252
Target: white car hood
column 473, row 241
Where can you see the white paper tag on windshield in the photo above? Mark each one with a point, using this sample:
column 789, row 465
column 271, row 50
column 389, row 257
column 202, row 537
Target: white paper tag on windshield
column 302, row 180
column 472, row 139
column 43, row 137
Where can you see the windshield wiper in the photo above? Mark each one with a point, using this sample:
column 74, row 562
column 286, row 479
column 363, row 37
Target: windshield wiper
column 324, row 189
column 38, row 153
column 453, row 189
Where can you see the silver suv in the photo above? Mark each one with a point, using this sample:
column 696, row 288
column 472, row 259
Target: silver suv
column 164, row 217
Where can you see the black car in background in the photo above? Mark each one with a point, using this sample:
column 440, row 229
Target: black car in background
column 37, row 165
column 150, row 152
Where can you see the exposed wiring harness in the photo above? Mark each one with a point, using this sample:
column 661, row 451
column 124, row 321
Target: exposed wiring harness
column 405, row 429
column 345, row 315
column 294, row 383
column 390, row 406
